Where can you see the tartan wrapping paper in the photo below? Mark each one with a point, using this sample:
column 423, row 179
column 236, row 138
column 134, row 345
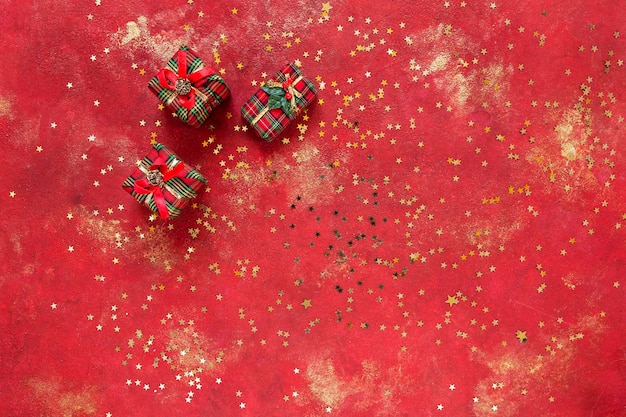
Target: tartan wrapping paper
column 274, row 121
column 177, row 191
column 213, row 87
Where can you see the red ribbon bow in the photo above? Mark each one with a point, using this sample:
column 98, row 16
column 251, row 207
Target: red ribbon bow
column 146, row 186
column 183, row 84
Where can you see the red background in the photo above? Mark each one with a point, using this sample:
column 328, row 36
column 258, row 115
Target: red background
column 441, row 234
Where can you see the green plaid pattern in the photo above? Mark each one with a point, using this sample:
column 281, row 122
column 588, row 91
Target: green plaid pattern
column 275, row 121
column 214, row 87
column 177, row 192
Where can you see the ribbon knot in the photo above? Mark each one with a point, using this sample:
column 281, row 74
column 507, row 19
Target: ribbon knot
column 291, row 94
column 184, row 86
column 156, row 178
column 289, row 91
column 281, row 95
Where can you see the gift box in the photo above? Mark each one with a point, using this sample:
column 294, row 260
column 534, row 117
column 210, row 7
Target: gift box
column 189, row 88
column 279, row 101
column 163, row 182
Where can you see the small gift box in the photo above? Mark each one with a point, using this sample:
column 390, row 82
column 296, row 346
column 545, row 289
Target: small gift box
column 163, row 182
column 272, row 108
column 189, row 88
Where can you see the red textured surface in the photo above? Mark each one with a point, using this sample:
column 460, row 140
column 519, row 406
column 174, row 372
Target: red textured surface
column 457, row 188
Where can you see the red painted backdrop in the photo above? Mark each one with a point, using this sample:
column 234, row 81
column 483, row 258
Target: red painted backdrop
column 441, row 233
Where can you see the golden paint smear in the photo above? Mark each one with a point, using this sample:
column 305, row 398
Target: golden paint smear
column 380, row 387
column 375, row 387
column 494, row 81
column 492, row 234
column 100, row 229
column 444, row 47
column 512, row 372
column 325, row 384
column 188, row 349
column 572, row 134
column 457, row 86
column 248, row 184
column 570, row 281
column 440, row 62
column 17, row 244
column 294, row 19
column 566, row 161
column 156, row 245
column 304, row 178
column 160, row 248
column 136, row 35
column 6, row 108
column 132, row 30
column 63, row 403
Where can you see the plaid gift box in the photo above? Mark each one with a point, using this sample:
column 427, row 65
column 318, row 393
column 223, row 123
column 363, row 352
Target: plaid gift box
column 272, row 108
column 163, row 182
column 189, row 88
